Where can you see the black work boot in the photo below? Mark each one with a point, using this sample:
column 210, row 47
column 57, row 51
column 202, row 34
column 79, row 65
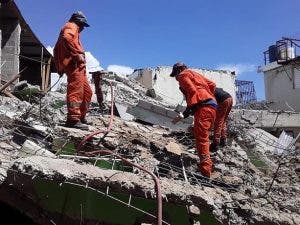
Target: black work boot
column 214, row 147
column 76, row 124
column 223, row 142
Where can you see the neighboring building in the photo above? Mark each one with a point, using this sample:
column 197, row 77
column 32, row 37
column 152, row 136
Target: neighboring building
column 282, row 75
column 167, row 87
column 20, row 48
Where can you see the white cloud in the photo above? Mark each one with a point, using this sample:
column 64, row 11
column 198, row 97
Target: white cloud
column 92, row 64
column 238, row 68
column 120, row 70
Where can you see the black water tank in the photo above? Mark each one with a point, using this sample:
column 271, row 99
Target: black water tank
column 273, row 53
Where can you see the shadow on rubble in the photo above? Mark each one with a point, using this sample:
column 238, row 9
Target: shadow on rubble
column 13, row 216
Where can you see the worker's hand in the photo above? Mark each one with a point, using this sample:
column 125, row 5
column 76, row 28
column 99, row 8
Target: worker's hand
column 177, row 118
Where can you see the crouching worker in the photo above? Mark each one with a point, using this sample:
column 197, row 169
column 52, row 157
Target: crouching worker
column 224, row 101
column 201, row 103
column 69, row 58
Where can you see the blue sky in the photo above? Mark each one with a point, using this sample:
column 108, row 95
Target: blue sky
column 212, row 34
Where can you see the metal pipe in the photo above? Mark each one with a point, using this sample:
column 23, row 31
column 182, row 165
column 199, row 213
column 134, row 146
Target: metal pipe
column 15, row 77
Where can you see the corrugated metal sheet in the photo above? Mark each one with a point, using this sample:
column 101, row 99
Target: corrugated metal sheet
column 283, row 143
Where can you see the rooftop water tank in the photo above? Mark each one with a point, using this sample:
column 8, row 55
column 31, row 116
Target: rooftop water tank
column 287, row 53
column 273, row 53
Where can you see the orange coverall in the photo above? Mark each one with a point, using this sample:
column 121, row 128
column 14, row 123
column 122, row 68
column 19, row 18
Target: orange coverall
column 67, row 52
column 225, row 101
column 197, row 89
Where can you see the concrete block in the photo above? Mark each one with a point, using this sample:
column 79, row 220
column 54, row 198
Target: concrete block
column 159, row 110
column 145, row 105
column 30, row 148
column 152, row 117
column 174, row 148
column 171, row 113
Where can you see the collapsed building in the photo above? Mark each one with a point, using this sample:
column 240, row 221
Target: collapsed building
column 134, row 166
column 56, row 175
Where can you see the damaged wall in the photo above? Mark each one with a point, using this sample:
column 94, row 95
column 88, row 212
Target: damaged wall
column 10, row 47
column 22, row 49
column 167, row 87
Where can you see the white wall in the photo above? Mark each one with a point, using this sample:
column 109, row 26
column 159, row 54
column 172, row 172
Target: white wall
column 280, row 87
column 167, row 87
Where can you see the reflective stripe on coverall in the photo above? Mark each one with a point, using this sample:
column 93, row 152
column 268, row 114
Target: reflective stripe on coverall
column 66, row 53
column 197, row 89
column 220, row 127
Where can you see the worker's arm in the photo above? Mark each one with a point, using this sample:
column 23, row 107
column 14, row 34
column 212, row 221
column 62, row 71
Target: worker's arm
column 186, row 85
column 70, row 43
column 211, row 85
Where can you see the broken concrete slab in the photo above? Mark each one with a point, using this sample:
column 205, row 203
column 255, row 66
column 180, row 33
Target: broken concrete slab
column 266, row 119
column 177, row 192
column 146, row 145
column 122, row 111
column 154, row 114
column 30, row 148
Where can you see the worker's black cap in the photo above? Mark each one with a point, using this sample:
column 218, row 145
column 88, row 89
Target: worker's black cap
column 79, row 17
column 176, row 67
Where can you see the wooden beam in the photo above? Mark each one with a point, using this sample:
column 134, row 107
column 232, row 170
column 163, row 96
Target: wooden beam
column 47, row 74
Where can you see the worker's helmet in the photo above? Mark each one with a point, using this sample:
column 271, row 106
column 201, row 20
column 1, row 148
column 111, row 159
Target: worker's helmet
column 177, row 68
column 80, row 18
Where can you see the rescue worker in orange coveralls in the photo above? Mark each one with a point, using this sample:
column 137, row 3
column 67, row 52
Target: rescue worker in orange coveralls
column 201, row 103
column 224, row 101
column 69, row 58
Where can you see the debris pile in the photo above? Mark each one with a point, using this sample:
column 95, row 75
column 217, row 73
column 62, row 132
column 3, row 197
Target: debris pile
column 48, row 174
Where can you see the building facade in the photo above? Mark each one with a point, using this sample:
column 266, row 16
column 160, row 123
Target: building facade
column 167, row 87
column 282, row 76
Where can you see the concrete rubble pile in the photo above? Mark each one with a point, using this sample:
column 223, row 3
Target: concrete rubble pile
column 37, row 151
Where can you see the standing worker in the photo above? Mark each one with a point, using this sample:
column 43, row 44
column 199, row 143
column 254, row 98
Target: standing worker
column 201, row 103
column 69, row 58
column 224, row 101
